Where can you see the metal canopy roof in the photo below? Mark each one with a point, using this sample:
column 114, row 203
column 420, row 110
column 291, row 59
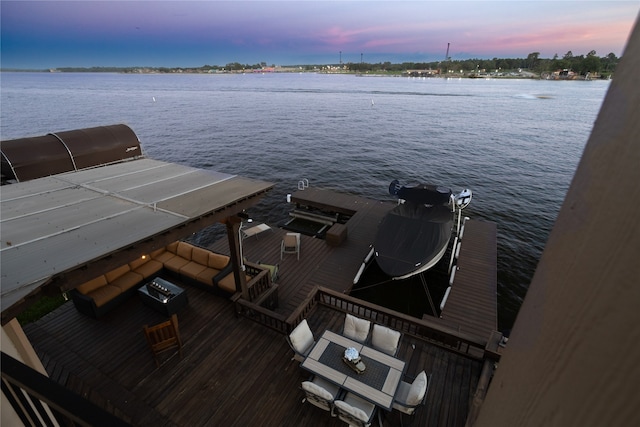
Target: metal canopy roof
column 56, row 224
column 34, row 157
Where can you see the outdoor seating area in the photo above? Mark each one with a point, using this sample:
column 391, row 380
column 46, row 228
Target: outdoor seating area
column 207, row 269
column 100, row 295
column 111, row 363
column 354, row 375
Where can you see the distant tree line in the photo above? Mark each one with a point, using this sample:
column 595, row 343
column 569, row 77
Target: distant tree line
column 580, row 64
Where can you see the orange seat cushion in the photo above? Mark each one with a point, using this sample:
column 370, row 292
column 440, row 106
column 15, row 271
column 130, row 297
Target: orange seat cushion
column 127, row 281
column 114, row 274
column 104, row 294
column 176, row 263
column 218, row 261
column 192, row 269
column 149, row 268
column 87, row 287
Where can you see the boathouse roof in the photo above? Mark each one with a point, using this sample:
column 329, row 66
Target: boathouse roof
column 62, row 228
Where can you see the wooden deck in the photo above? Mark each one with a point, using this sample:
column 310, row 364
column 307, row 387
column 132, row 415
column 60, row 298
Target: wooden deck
column 319, row 264
column 472, row 304
column 234, row 371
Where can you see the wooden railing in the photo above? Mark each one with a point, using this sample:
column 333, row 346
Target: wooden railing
column 263, row 299
column 304, row 310
column 260, row 280
column 261, row 315
column 423, row 329
column 37, row 400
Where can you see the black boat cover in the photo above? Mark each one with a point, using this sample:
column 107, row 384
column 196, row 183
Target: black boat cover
column 411, row 235
column 421, row 193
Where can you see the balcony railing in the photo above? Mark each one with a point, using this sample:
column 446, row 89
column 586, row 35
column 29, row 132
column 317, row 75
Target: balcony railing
column 423, row 329
column 37, row 400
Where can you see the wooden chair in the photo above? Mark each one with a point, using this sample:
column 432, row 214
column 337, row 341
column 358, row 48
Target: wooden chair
column 290, row 244
column 163, row 337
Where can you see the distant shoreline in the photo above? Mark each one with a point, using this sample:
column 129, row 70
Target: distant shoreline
column 420, row 74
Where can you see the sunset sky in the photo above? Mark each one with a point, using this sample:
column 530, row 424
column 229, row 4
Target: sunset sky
column 49, row 34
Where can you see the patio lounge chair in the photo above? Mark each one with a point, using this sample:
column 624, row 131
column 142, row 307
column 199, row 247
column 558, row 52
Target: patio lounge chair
column 290, row 244
column 355, row 411
column 321, row 393
column 385, row 339
column 301, row 341
column 163, row 337
column 356, row 328
column 273, row 268
column 410, row 396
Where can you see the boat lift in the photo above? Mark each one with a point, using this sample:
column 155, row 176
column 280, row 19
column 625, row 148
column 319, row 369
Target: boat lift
column 458, row 203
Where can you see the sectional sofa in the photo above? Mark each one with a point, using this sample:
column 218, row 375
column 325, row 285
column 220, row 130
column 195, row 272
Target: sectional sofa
column 199, row 266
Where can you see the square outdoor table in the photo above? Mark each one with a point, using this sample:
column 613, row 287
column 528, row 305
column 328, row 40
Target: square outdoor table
column 377, row 384
column 167, row 304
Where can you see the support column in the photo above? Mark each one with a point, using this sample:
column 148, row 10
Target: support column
column 235, row 250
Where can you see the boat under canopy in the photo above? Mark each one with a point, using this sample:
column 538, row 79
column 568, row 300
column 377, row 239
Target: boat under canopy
column 414, row 235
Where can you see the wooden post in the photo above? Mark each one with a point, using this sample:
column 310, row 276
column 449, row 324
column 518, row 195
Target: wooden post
column 233, row 235
column 573, row 355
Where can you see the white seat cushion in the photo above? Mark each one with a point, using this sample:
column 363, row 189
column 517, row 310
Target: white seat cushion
column 356, row 328
column 328, row 386
column 302, row 337
column 352, row 410
column 385, row 339
column 417, row 389
column 317, row 390
column 410, row 395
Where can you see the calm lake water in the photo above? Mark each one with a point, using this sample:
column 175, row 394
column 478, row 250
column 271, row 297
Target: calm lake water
column 515, row 143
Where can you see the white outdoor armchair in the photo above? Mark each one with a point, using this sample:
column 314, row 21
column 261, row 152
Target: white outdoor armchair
column 410, row 396
column 356, row 328
column 321, row 393
column 355, row 411
column 301, row 340
column 290, row 244
column 385, row 339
